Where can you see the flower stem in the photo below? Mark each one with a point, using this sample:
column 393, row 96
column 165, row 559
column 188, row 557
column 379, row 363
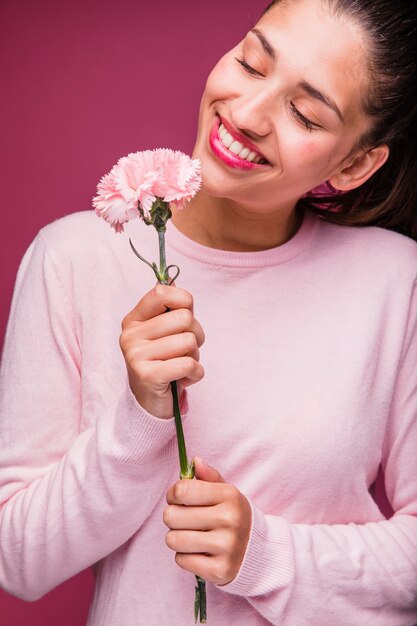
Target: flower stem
column 186, row 468
column 200, row 603
column 162, row 257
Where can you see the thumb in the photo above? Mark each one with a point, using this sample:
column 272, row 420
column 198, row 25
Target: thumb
column 206, row 472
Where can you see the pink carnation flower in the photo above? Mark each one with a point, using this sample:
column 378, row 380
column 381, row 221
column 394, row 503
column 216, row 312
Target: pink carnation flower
column 141, row 178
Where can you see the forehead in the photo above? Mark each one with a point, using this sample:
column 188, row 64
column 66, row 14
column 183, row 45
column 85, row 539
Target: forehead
column 313, row 44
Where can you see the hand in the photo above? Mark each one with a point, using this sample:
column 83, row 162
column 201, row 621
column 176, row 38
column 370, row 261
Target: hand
column 160, row 347
column 210, row 533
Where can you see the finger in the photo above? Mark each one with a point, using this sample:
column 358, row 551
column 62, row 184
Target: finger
column 170, row 323
column 184, row 369
column 210, row 568
column 198, row 564
column 178, row 517
column 158, row 300
column 200, row 493
column 194, row 541
column 206, row 472
column 183, row 344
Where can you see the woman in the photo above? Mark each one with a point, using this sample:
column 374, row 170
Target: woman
column 309, row 357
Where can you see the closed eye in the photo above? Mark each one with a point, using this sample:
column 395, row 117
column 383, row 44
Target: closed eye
column 304, row 120
column 248, row 68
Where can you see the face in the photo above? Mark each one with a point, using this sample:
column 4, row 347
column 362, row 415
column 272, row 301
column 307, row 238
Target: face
column 290, row 93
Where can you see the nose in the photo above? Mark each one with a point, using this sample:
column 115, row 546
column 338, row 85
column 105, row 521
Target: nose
column 252, row 113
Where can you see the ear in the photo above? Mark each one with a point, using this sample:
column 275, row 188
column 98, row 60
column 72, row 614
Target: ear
column 359, row 168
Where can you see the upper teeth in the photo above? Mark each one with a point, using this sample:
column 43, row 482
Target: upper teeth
column 236, row 147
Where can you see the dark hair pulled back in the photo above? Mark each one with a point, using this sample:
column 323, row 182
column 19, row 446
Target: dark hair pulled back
column 389, row 198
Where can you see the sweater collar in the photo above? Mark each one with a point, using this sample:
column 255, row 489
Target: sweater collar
column 225, row 258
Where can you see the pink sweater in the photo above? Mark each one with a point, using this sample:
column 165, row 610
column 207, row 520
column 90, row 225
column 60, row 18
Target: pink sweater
column 310, row 361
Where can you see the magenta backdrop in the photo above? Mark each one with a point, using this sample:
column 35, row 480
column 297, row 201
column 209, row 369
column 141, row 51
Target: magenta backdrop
column 83, row 83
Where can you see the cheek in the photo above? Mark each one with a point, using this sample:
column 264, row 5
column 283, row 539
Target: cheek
column 311, row 152
column 302, row 153
column 307, row 149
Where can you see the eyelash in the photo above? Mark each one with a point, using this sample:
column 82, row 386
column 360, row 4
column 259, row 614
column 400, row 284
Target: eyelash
column 304, row 120
column 248, row 67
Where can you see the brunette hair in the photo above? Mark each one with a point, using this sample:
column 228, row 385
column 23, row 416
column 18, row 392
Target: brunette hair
column 389, row 198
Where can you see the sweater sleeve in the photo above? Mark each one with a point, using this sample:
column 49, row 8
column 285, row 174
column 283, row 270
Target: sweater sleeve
column 67, row 498
column 347, row 574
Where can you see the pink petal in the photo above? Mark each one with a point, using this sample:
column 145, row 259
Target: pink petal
column 142, row 177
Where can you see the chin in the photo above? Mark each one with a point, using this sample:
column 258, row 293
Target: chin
column 216, row 185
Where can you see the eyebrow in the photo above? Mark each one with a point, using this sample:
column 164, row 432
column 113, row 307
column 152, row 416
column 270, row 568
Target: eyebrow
column 318, row 95
column 270, row 51
column 304, row 85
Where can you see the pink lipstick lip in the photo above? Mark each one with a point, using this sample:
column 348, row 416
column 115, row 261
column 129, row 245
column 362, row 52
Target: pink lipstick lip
column 239, row 137
column 225, row 155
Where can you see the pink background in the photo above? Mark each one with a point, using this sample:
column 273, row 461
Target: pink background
column 83, row 83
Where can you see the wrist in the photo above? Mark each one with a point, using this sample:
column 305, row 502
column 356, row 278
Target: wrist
column 157, row 407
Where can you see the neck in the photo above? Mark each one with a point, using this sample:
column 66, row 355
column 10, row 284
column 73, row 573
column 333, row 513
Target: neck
column 225, row 225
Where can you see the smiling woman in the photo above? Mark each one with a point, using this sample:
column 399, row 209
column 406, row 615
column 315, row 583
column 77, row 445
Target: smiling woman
column 307, row 333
